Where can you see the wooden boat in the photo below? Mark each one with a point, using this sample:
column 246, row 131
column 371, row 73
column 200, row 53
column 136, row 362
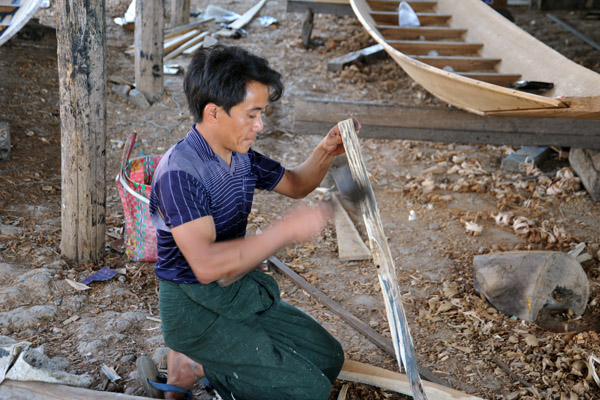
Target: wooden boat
column 468, row 55
column 14, row 14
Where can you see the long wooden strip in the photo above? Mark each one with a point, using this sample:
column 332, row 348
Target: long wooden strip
column 192, row 42
column 574, row 31
column 349, row 242
column 392, row 5
column 426, row 19
column 355, row 371
column 382, row 257
column 18, row 390
column 415, row 33
column 460, row 63
column 169, row 33
column 423, row 47
column 241, row 21
column 381, row 341
column 499, row 79
column 177, row 41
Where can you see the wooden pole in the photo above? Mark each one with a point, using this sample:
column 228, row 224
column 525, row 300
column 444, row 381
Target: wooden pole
column 81, row 40
column 149, row 31
column 180, row 12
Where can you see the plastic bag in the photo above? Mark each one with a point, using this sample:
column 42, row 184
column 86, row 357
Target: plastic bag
column 407, row 16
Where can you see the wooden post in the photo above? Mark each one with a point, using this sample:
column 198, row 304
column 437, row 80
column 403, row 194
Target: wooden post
column 81, row 40
column 149, row 33
column 180, row 12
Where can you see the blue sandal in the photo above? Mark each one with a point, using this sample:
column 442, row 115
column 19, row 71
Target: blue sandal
column 153, row 383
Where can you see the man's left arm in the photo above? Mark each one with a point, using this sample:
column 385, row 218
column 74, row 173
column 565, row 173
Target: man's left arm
column 298, row 182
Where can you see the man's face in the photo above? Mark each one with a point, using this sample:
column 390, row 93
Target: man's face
column 239, row 128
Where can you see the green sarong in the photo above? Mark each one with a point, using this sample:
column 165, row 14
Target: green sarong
column 251, row 344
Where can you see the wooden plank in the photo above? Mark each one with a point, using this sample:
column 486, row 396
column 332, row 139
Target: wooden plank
column 350, row 245
column 355, row 371
column 177, row 41
column 239, row 23
column 392, row 5
column 29, row 390
column 426, row 19
column 443, row 124
column 460, row 63
column 169, row 33
column 415, row 33
column 198, row 39
column 499, row 79
column 320, row 7
column 422, row 47
column 383, row 260
column 149, row 51
column 83, row 128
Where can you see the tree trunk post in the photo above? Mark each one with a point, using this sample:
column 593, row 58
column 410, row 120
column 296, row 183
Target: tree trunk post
column 81, row 36
column 149, row 38
column 180, row 12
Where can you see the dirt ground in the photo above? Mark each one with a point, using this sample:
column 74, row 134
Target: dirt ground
column 427, row 194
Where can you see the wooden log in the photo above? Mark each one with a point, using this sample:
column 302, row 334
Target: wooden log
column 24, row 390
column 350, row 245
column 383, row 260
column 82, row 81
column 355, row 371
column 443, row 124
column 180, row 12
column 149, row 31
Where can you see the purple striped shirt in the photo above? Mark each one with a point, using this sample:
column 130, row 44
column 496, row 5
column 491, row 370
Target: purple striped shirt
column 191, row 182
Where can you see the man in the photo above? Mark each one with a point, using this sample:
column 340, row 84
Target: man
column 221, row 318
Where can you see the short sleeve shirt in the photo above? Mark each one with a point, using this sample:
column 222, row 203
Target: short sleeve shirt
column 192, row 182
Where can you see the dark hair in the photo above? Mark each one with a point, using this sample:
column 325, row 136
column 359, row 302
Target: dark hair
column 219, row 75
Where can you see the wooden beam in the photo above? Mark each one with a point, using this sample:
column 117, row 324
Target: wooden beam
column 149, row 39
column 355, row 371
column 187, row 45
column 172, row 32
column 443, row 124
column 392, row 5
column 239, row 23
column 180, row 12
column 82, row 84
column 30, row 390
column 424, row 47
column 460, row 63
column 426, row 19
column 415, row 33
column 506, row 80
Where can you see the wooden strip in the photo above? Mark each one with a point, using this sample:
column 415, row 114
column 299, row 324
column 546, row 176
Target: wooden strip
column 192, row 42
column 426, row 19
column 241, row 21
column 350, row 245
column 392, row 5
column 169, row 33
column 20, row 390
column 506, row 80
column 193, row 48
column 422, row 47
column 415, row 33
column 443, row 124
column 460, row 63
column 381, row 341
column 177, row 41
column 355, row 371
column 574, row 31
column 383, row 260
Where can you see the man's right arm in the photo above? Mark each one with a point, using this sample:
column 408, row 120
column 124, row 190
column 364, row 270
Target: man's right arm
column 212, row 261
